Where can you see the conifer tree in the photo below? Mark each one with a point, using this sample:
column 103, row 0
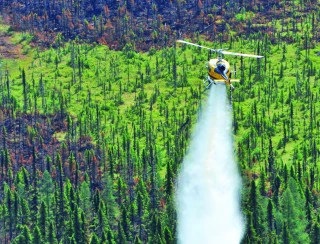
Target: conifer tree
column 275, row 188
column 20, row 185
column 9, row 207
column 52, row 234
column 15, row 208
column 19, row 240
column 286, row 237
column 315, row 236
column 292, row 214
column 37, row 237
column 84, row 227
column 271, row 161
column 43, row 219
column 255, row 208
column 35, row 198
column 60, row 198
column 169, row 180
column 24, row 86
column 96, row 201
column 72, row 240
column 262, row 185
column 102, row 221
column 3, row 217
column 104, row 237
column 25, row 212
column 85, row 203
column 108, row 197
column 71, row 197
column 125, row 221
column 168, row 236
column 122, row 238
column 270, row 215
column 110, row 237
column 285, row 175
column 94, row 239
column 27, row 236
column 250, row 234
column 137, row 240
column 78, row 231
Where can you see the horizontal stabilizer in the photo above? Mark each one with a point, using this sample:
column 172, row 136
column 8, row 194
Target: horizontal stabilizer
column 235, row 80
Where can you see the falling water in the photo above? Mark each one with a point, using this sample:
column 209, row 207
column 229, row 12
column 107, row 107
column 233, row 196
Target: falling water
column 208, row 192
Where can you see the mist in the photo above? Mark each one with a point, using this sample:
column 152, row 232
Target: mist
column 208, row 189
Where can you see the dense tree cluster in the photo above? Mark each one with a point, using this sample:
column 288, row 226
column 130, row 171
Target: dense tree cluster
column 144, row 24
column 277, row 145
column 91, row 140
column 82, row 165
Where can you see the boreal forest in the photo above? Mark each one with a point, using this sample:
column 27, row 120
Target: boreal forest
column 98, row 104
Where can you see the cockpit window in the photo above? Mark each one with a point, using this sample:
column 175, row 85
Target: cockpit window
column 221, row 67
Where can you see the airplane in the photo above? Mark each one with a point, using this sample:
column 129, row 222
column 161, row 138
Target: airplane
column 218, row 68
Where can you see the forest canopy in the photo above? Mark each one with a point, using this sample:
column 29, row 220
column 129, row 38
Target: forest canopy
column 97, row 105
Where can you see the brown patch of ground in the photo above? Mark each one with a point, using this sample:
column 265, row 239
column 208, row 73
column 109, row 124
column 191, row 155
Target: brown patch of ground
column 9, row 50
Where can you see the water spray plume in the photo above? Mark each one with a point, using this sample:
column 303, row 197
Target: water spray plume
column 208, row 190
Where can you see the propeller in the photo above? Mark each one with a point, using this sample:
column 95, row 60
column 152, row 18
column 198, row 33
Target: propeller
column 242, row 54
column 221, row 51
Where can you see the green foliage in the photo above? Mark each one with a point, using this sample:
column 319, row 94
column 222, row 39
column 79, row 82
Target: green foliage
column 94, row 239
column 100, row 136
column 37, row 237
column 244, row 16
column 84, row 195
column 286, row 236
column 294, row 214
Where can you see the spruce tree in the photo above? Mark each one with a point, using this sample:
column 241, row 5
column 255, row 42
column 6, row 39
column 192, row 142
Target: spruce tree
column 262, row 183
column 168, row 236
column 122, row 238
column 27, row 235
column 250, row 234
column 25, row 212
column 286, row 237
column 110, row 237
column 94, row 239
column 315, row 236
column 25, row 91
column 37, row 237
column 270, row 215
column 9, row 206
column 255, row 208
column 169, row 180
column 293, row 216
column 85, row 203
column 52, row 234
column 101, row 219
column 271, row 161
column 107, row 196
column 43, row 219
column 137, row 240
column 78, row 231
column 46, row 189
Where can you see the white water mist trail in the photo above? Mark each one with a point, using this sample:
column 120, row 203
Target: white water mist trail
column 208, row 190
